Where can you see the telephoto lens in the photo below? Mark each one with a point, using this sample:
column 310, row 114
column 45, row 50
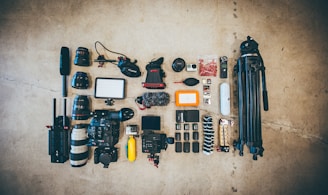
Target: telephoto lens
column 79, row 153
column 81, row 109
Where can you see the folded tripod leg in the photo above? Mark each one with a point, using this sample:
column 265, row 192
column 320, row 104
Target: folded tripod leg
column 241, row 141
column 256, row 129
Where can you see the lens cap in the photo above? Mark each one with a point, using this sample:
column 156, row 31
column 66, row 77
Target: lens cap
column 178, row 64
column 170, row 140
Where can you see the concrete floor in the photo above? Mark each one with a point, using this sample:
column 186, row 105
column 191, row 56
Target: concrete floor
column 293, row 41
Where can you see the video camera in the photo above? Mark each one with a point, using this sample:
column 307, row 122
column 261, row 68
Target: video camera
column 153, row 143
column 104, row 132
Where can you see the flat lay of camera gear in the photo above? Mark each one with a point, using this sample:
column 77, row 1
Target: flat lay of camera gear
column 103, row 131
column 291, row 37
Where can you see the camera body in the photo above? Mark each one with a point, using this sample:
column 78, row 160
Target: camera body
column 191, row 67
column 153, row 143
column 104, row 132
column 105, row 155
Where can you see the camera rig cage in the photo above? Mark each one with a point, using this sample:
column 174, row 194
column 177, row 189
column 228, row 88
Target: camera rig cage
column 104, row 132
column 152, row 142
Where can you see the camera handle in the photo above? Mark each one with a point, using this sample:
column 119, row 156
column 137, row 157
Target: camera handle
column 154, row 158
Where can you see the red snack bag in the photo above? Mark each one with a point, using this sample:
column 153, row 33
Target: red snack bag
column 208, row 65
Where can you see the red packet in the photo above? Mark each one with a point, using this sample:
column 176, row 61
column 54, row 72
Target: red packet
column 208, row 65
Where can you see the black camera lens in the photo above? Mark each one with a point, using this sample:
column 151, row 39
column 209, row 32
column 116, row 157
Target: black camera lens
column 82, row 57
column 178, row 65
column 80, row 109
column 80, row 80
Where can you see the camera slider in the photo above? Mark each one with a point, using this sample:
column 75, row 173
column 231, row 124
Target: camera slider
column 155, row 74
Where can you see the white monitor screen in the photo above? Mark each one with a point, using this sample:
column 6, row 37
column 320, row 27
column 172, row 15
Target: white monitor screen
column 110, row 88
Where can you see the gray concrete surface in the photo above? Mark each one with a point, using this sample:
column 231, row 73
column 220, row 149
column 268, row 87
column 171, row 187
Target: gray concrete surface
column 293, row 41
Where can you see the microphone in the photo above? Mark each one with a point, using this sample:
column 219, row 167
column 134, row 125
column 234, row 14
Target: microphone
column 64, row 68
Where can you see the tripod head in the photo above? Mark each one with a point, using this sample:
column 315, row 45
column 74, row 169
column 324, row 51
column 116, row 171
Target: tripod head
column 249, row 46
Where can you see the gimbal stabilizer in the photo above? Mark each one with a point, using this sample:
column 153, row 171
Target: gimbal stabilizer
column 248, row 69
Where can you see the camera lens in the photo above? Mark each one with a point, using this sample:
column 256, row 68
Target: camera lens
column 79, row 150
column 178, row 65
column 80, row 80
column 82, row 57
column 80, row 109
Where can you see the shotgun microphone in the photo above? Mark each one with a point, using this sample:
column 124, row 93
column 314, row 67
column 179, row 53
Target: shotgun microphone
column 64, row 68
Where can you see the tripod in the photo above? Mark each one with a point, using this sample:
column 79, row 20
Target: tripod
column 248, row 69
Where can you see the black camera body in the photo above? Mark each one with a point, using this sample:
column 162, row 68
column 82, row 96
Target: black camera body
column 105, row 155
column 153, row 143
column 104, row 132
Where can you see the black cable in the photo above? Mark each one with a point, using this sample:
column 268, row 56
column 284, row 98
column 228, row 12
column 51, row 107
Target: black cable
column 107, row 49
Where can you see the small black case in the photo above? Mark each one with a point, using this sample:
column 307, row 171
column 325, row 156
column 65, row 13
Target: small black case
column 195, row 147
column 178, row 147
column 186, row 147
